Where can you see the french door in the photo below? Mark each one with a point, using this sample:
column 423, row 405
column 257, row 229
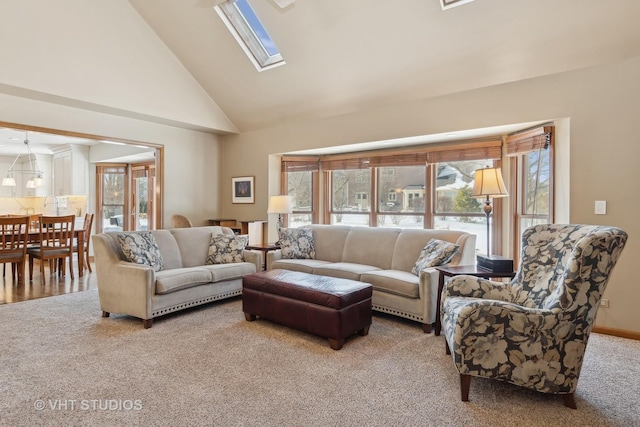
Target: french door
column 126, row 197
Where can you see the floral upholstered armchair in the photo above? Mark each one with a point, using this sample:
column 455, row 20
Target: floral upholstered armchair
column 533, row 331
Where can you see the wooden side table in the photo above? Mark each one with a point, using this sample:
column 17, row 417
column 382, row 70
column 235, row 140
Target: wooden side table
column 459, row 270
column 264, row 248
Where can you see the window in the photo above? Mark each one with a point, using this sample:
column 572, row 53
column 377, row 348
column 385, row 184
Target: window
column 402, row 195
column 300, row 181
column 455, row 208
column 112, row 203
column 349, row 196
column 249, row 32
column 420, row 187
column 531, row 154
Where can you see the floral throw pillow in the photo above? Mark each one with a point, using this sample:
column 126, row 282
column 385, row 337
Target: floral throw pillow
column 296, row 243
column 226, row 249
column 435, row 252
column 141, row 247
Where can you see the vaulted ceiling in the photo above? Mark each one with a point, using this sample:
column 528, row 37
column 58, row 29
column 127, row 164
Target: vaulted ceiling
column 347, row 55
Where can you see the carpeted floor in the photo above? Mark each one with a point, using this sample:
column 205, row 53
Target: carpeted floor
column 62, row 364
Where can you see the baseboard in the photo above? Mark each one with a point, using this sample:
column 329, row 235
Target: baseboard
column 622, row 333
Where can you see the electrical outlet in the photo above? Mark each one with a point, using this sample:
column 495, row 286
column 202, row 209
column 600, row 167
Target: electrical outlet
column 601, row 207
column 604, row 303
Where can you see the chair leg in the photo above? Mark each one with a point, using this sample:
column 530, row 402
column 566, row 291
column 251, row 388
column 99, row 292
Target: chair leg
column 465, row 382
column 30, row 268
column 87, row 263
column 70, row 266
column 570, row 400
column 446, row 348
column 44, row 279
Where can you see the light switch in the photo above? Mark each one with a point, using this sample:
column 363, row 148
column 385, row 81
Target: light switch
column 601, row 207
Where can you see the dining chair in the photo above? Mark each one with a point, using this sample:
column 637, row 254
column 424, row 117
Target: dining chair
column 13, row 244
column 83, row 259
column 180, row 221
column 55, row 243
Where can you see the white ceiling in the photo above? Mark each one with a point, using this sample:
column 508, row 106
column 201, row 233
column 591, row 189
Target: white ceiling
column 348, row 55
column 345, row 56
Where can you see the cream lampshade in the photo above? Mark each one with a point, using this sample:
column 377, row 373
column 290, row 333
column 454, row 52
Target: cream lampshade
column 279, row 205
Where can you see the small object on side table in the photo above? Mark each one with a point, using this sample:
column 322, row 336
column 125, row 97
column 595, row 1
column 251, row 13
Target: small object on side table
column 264, row 248
column 459, row 270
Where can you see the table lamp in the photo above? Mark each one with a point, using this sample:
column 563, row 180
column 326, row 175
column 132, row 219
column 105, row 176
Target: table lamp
column 280, row 205
column 488, row 183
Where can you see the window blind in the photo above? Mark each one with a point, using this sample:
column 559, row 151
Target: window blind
column 299, row 164
column 530, row 140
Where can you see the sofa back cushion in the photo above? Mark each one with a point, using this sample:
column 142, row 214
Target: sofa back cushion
column 329, row 241
column 371, row 246
column 193, row 244
column 168, row 248
column 411, row 242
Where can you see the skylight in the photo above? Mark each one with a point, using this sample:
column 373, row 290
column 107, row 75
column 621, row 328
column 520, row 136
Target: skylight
column 247, row 29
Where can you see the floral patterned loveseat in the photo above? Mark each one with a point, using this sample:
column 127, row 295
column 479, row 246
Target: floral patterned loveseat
column 533, row 332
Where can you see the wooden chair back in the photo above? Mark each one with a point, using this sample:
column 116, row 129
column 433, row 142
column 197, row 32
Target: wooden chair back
column 13, row 238
column 56, row 234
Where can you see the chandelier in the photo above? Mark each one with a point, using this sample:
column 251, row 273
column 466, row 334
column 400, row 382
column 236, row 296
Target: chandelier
column 36, row 179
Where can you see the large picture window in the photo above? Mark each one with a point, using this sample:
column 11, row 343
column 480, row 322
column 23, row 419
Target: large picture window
column 421, row 187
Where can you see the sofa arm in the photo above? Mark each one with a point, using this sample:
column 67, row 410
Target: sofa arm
column 428, row 289
column 123, row 287
column 253, row 257
column 273, row 256
column 126, row 288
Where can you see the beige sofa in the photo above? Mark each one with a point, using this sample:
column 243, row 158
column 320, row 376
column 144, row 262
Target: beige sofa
column 383, row 257
column 185, row 280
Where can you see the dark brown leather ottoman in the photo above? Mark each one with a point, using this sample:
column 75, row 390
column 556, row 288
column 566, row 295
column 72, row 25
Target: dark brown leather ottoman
column 329, row 307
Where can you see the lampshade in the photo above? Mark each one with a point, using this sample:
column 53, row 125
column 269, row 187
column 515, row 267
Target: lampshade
column 37, row 175
column 279, row 205
column 9, row 180
column 489, row 183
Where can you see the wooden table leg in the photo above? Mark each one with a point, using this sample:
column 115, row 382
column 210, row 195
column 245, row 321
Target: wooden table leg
column 440, row 287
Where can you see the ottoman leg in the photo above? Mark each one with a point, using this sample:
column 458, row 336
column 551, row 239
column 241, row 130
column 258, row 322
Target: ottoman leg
column 364, row 331
column 250, row 317
column 336, row 344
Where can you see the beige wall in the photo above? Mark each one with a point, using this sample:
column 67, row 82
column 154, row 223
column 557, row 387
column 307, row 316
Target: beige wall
column 599, row 104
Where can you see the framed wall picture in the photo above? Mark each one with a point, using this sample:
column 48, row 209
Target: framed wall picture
column 242, row 189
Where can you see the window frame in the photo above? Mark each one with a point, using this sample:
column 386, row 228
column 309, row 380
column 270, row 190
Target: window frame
column 250, row 33
column 518, row 145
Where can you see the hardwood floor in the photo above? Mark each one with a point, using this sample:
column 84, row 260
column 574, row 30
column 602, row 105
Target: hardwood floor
column 54, row 285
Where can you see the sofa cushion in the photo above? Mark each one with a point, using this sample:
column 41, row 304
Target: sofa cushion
column 221, row 272
column 371, row 246
column 141, row 248
column 225, row 249
column 193, row 243
column 304, row 265
column 394, row 282
column 168, row 281
column 436, row 252
column 296, row 243
column 329, row 240
column 345, row 270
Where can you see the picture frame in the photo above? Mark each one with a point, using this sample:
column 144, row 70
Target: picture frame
column 242, row 189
